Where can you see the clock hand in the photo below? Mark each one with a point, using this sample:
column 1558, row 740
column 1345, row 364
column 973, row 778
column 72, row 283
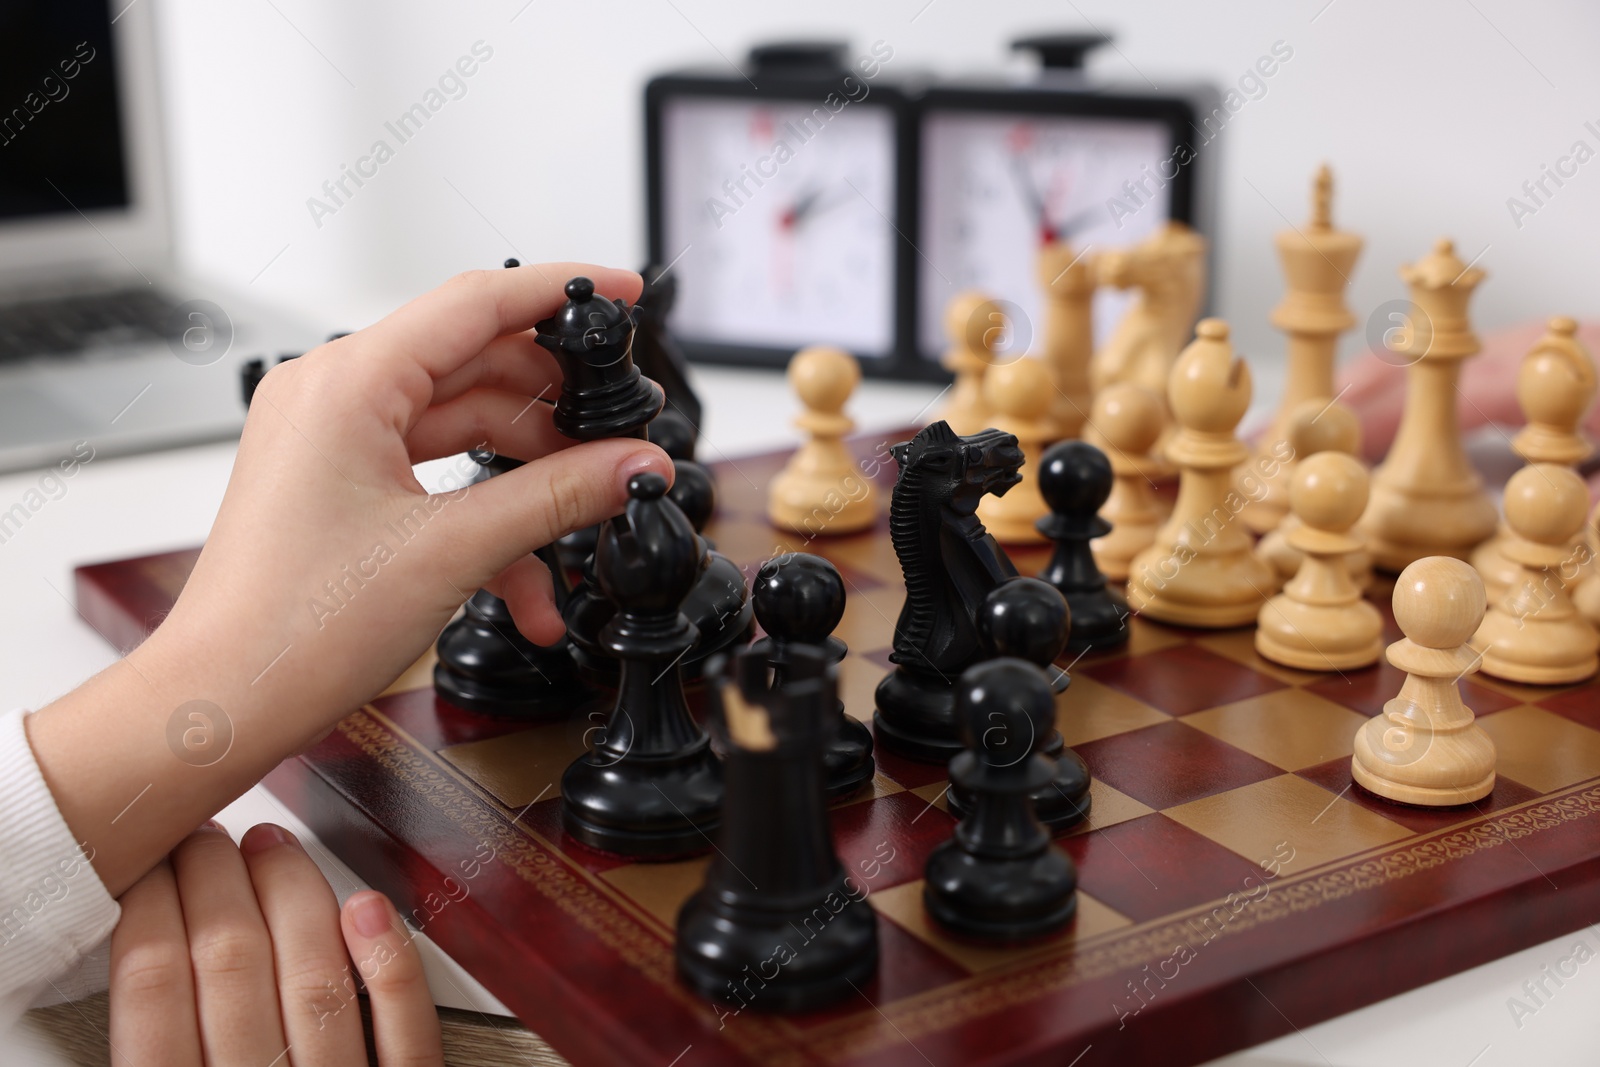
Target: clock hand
column 801, row 208
column 1030, row 194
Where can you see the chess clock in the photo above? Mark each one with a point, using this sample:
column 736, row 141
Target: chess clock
column 780, row 195
column 816, row 197
column 1004, row 166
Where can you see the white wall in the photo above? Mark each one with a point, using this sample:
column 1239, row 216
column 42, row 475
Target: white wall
column 1433, row 112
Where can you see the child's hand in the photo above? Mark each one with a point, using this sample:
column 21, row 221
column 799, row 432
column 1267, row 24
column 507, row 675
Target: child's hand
column 327, row 550
column 329, row 570
column 241, row 955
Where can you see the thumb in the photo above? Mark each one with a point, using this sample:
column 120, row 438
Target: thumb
column 508, row 516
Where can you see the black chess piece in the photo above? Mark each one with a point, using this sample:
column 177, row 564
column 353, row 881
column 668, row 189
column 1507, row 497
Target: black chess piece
column 602, row 395
column 1075, row 480
column 1028, row 619
column 602, row 392
column 778, row 924
column 660, row 358
column 718, row 605
column 671, row 432
column 950, row 563
column 486, row 665
column 650, row 787
column 694, row 490
column 586, row 613
column 799, row 600
column 1000, row 876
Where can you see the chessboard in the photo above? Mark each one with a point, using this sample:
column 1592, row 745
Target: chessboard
column 1234, row 884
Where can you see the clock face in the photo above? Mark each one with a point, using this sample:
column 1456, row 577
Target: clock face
column 780, row 214
column 995, row 185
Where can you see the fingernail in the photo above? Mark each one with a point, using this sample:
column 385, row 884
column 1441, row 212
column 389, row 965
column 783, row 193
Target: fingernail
column 370, row 914
column 645, row 461
column 264, row 836
column 213, row 825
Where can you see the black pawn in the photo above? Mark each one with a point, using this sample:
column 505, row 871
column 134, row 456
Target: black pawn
column 1075, row 480
column 1029, row 620
column 694, row 491
column 999, row 876
column 671, row 432
column 778, row 924
column 486, row 665
column 799, row 600
column 650, row 787
column 586, row 615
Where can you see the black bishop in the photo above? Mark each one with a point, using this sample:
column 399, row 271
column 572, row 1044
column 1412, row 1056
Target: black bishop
column 651, row 786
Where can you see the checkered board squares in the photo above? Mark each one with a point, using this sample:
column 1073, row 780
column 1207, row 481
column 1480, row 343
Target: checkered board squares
column 1206, row 767
column 1207, row 761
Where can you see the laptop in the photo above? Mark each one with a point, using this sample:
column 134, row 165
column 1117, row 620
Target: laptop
column 101, row 339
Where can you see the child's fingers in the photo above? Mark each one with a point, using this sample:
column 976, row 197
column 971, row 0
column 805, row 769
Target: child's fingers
column 509, row 516
column 442, row 330
column 529, row 591
column 405, row 1025
column 317, row 994
column 515, row 363
column 508, row 423
column 231, row 952
column 152, row 989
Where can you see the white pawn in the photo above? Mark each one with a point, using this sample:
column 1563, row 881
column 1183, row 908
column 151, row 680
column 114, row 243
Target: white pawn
column 1535, row 634
column 1425, row 746
column 1555, row 386
column 822, row 489
column 1586, row 592
column 1313, row 426
column 1319, row 622
column 1019, row 395
column 976, row 326
column 1125, row 423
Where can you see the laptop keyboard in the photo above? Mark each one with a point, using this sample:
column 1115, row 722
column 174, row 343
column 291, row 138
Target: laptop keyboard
column 76, row 323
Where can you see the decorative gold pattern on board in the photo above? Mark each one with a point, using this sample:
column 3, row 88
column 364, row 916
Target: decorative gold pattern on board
column 949, row 1006
column 772, row 1042
column 642, row 950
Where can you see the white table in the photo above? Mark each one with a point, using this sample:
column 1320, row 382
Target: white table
column 117, row 508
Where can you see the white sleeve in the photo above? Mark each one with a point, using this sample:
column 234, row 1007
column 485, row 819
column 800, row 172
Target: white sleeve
column 54, row 910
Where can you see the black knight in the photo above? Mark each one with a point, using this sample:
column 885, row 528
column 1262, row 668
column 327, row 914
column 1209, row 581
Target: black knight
column 950, row 563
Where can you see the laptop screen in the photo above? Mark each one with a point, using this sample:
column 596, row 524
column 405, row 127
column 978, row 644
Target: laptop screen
column 61, row 136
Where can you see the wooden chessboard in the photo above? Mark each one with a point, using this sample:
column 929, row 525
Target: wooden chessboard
column 1234, row 883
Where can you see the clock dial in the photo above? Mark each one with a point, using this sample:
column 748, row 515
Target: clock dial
column 996, row 185
column 780, row 213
